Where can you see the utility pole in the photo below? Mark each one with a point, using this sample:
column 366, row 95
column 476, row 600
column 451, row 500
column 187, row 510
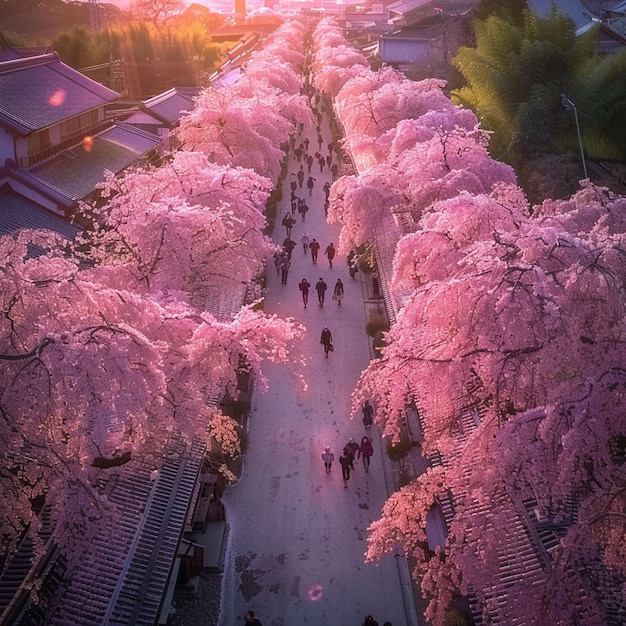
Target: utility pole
column 570, row 106
column 94, row 16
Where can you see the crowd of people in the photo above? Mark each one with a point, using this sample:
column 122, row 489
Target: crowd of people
column 307, row 157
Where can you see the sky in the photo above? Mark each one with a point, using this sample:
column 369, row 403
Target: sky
column 214, row 5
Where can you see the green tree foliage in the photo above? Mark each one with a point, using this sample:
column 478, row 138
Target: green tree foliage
column 80, row 48
column 514, row 78
column 512, row 10
column 156, row 59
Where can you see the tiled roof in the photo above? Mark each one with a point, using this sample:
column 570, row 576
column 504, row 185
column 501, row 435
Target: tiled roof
column 17, row 213
column 571, row 8
column 74, row 173
column 170, row 105
column 40, row 91
column 123, row 578
column 20, row 52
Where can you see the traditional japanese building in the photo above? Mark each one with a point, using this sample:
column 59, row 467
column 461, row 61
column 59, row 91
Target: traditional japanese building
column 56, row 140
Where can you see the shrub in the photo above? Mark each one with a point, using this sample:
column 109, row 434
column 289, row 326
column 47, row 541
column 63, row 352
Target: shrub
column 377, row 324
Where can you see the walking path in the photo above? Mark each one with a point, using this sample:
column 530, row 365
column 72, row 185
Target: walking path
column 297, row 536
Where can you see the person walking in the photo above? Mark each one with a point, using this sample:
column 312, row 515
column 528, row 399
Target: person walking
column 368, row 415
column 305, row 241
column 288, row 222
column 326, row 189
column 326, row 339
column 303, row 207
column 279, row 257
column 314, row 246
column 351, row 260
column 338, row 291
column 350, row 450
column 250, row 619
column 309, row 162
column 288, row 245
column 304, row 285
column 345, row 469
column 321, row 288
column 366, row 449
column 328, row 457
column 284, row 270
column 300, row 176
column 330, row 253
column 310, row 183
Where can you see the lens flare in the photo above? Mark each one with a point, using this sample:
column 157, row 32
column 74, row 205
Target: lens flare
column 316, row 592
column 57, row 98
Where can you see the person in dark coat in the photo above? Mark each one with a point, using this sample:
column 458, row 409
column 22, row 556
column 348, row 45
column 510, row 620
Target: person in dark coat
column 330, row 253
column 314, row 246
column 300, row 176
column 284, row 270
column 368, row 414
column 345, row 469
column 288, row 222
column 250, row 619
column 326, row 339
column 365, row 451
column 352, row 268
column 326, row 189
column 279, row 257
column 321, row 288
column 304, row 285
column 310, row 183
column 350, row 450
column 288, row 245
column 303, row 207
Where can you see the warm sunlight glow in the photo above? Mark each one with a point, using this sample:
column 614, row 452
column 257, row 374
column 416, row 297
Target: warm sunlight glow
column 57, row 98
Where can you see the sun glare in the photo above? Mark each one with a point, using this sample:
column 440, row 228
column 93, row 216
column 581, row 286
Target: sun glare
column 57, row 98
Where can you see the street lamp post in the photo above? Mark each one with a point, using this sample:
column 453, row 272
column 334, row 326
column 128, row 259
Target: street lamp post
column 570, row 106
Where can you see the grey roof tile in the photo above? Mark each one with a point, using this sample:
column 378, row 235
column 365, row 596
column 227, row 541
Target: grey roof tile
column 40, row 91
column 76, row 172
column 17, row 213
column 170, row 105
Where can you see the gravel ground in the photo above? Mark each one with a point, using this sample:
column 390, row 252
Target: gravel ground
column 202, row 608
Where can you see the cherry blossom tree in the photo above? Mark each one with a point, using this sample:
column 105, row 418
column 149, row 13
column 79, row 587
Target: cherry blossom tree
column 442, row 166
column 223, row 127
column 93, row 377
column 105, row 354
column 184, row 226
column 509, row 338
column 547, row 315
column 333, row 67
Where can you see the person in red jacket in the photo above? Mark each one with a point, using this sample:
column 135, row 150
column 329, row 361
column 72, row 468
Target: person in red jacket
column 366, row 450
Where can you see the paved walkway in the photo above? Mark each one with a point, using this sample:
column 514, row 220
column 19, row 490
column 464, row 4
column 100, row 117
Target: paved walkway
column 297, row 536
